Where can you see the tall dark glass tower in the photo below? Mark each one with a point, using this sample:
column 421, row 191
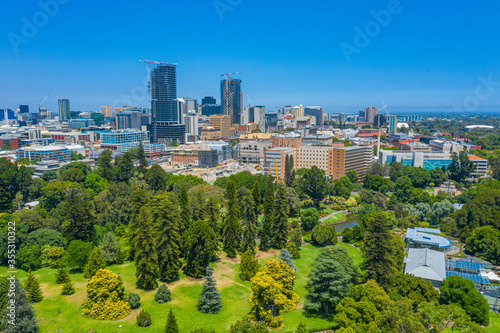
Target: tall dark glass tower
column 166, row 123
column 231, row 99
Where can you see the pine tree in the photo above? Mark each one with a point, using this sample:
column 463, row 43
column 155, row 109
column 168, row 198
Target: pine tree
column 249, row 224
column 146, row 258
column 110, row 248
column 292, row 248
column 75, row 211
column 163, row 295
column 197, row 205
column 379, row 263
column 185, row 213
column 168, row 239
column 333, row 274
column 140, row 156
column 256, row 195
column 280, row 222
column 68, row 288
column 291, row 179
column 213, row 213
column 138, row 200
column 209, row 301
column 33, row 290
column 302, row 328
column 171, row 324
column 94, row 263
column 249, row 265
column 200, row 246
column 62, row 275
column 288, row 169
column 231, row 223
column 25, row 319
column 265, row 233
column 296, row 238
column 287, row 257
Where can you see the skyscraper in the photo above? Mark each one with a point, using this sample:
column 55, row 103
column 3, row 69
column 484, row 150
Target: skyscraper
column 166, row 122
column 24, row 109
column 64, row 110
column 231, row 97
column 107, row 110
column 370, row 113
column 315, row 111
column 208, row 100
column 393, row 124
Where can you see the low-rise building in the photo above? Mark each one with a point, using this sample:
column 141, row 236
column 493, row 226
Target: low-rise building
column 151, row 150
column 111, row 140
column 210, row 133
column 13, row 141
column 255, row 136
column 427, row 238
column 279, row 155
column 44, row 153
column 287, row 140
column 252, row 152
column 480, row 166
column 322, row 139
column 426, row 264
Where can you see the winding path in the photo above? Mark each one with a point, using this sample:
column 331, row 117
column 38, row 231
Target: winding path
column 332, row 214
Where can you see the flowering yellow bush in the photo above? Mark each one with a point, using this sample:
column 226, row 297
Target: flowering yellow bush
column 105, row 293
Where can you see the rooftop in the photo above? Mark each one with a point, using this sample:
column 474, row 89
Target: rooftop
column 426, row 237
column 426, row 263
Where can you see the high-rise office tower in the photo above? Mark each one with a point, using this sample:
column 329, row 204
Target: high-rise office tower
column 107, row 110
column 192, row 104
column 208, row 100
column 64, row 110
column 166, row 122
column 315, row 111
column 24, row 109
column 370, row 113
column 231, row 97
column 393, row 124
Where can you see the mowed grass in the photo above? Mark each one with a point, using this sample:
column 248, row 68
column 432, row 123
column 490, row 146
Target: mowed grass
column 185, row 293
column 335, row 218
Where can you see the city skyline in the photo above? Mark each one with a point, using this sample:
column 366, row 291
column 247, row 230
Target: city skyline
column 343, row 57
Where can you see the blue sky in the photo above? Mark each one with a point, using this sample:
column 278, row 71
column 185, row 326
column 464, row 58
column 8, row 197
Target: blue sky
column 424, row 56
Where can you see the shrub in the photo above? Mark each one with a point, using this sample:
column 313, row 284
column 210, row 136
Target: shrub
column 143, row 319
column 309, row 218
column 134, row 300
column 307, row 238
column 68, row 288
column 62, row 275
column 163, row 295
column 105, row 293
column 30, row 258
column 324, row 234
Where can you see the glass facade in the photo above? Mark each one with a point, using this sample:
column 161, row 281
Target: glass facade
column 231, row 99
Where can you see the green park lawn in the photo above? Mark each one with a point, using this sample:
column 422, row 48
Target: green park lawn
column 235, row 293
column 335, row 218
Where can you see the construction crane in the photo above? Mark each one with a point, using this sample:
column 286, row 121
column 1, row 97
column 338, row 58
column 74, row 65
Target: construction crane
column 147, row 62
column 249, row 104
column 43, row 101
column 275, row 164
column 227, row 89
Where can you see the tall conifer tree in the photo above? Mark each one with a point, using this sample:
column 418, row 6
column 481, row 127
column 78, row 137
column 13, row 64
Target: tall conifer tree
column 231, row 223
column 168, row 241
column 265, row 233
column 146, row 258
column 280, row 221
